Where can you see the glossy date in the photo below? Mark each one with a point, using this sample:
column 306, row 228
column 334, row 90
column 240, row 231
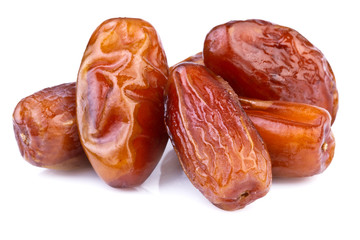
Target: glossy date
column 298, row 136
column 265, row 61
column 120, row 106
column 46, row 130
column 218, row 147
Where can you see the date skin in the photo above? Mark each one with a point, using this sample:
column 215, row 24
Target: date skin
column 46, row 130
column 218, row 147
column 120, row 101
column 265, row 61
column 197, row 58
column 298, row 136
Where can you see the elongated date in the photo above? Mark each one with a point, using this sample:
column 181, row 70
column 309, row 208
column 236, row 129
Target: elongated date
column 298, row 136
column 120, row 101
column 270, row 62
column 46, row 130
column 218, row 147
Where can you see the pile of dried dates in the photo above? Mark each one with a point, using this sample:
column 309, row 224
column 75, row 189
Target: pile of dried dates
column 258, row 102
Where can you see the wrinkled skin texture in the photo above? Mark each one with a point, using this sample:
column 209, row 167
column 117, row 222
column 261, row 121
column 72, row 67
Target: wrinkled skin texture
column 46, row 130
column 218, row 147
column 265, row 61
column 120, row 101
column 298, row 136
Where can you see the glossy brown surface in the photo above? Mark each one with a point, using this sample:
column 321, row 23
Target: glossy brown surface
column 46, row 131
column 120, row 101
column 197, row 58
column 298, row 136
column 217, row 145
column 270, row 62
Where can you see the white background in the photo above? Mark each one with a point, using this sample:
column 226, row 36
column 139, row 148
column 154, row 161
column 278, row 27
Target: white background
column 41, row 45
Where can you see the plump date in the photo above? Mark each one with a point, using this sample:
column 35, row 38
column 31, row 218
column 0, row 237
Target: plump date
column 120, row 101
column 46, row 130
column 270, row 62
column 298, row 136
column 218, row 147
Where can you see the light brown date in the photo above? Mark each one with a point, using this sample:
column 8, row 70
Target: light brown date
column 46, row 130
column 265, row 61
column 218, row 147
column 120, row 101
column 298, row 136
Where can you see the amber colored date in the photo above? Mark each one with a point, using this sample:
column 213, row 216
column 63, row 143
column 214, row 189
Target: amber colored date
column 298, row 136
column 120, row 101
column 218, row 147
column 46, row 130
column 265, row 61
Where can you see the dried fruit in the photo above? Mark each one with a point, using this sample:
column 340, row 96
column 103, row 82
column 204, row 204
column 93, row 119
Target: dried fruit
column 298, row 136
column 218, row 147
column 46, row 131
column 120, row 101
column 270, row 62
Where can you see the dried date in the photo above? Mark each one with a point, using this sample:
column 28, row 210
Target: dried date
column 218, row 147
column 46, row 130
column 298, row 136
column 120, row 101
column 270, row 62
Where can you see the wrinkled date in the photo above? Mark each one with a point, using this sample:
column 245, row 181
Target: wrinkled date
column 46, row 131
column 298, row 136
column 120, row 106
column 271, row 62
column 218, row 147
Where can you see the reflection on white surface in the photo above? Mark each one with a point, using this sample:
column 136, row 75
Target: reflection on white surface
column 171, row 171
